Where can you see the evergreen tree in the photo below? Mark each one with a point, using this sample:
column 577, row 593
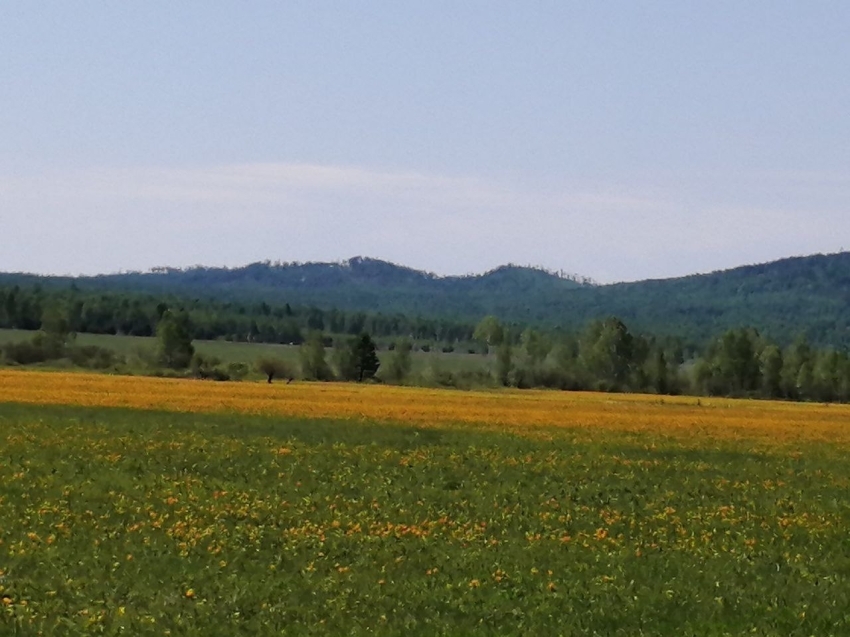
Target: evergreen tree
column 365, row 357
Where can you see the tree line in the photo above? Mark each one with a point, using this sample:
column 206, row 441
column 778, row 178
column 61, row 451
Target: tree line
column 607, row 356
column 138, row 314
column 604, row 356
column 809, row 295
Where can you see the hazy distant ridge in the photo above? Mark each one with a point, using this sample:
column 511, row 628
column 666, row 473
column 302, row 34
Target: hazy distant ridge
column 783, row 298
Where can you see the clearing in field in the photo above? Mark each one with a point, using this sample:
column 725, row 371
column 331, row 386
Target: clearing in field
column 139, row 506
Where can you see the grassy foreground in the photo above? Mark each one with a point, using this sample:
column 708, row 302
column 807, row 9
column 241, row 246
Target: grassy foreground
column 336, row 509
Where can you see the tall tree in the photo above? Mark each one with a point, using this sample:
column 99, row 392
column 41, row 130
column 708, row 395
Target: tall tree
column 489, row 332
column 606, row 352
column 365, row 357
column 175, row 340
column 770, row 363
column 797, row 369
column 536, row 345
column 311, row 355
column 658, row 372
column 504, row 363
column 55, row 330
column 736, row 362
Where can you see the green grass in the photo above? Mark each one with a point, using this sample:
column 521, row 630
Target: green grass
column 121, row 522
column 230, row 352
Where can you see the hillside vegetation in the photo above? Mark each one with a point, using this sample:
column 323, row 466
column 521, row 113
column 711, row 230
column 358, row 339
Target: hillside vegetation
column 784, row 299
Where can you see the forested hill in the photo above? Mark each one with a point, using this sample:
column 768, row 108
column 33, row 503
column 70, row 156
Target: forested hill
column 360, row 284
column 782, row 299
column 801, row 295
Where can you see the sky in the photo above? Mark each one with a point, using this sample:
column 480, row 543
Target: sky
column 616, row 140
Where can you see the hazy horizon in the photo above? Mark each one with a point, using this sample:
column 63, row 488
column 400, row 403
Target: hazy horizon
column 275, row 262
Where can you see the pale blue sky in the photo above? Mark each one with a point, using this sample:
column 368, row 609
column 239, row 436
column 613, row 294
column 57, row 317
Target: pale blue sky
column 617, row 140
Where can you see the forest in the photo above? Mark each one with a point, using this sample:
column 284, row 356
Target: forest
column 137, row 314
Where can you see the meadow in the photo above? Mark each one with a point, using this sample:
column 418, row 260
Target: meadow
column 130, row 347
column 153, row 506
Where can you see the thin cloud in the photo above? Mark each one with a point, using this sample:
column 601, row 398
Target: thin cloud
column 230, row 215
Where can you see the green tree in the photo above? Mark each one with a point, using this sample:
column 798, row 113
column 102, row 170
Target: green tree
column 344, row 360
column 504, row 363
column 606, row 352
column 55, row 331
column 362, row 358
column 536, row 345
column 732, row 365
column 10, row 307
column 826, row 376
column 737, row 363
column 770, row 363
column 175, row 340
column 489, row 332
column 797, row 373
column 311, row 356
column 399, row 364
column 658, row 372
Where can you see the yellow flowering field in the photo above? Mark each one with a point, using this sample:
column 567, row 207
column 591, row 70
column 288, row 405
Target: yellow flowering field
column 200, row 508
column 519, row 411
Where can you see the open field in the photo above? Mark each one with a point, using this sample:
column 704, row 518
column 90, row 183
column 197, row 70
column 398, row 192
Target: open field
column 230, row 352
column 149, row 506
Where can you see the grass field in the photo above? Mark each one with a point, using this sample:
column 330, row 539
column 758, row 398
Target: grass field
column 230, row 352
column 148, row 506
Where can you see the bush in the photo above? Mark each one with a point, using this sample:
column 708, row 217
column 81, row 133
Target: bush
column 237, row 371
column 274, row 367
column 208, row 368
column 25, row 353
column 91, row 356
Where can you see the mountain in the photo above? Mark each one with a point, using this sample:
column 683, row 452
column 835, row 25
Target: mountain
column 800, row 295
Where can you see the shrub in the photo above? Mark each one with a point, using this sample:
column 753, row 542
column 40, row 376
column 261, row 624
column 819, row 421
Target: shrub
column 91, row 356
column 25, row 353
column 274, row 367
column 208, row 368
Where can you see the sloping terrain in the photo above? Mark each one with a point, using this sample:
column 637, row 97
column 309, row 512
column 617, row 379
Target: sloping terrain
column 801, row 295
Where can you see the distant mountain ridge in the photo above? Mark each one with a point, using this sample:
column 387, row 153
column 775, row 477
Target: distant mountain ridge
column 809, row 295
column 362, row 270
